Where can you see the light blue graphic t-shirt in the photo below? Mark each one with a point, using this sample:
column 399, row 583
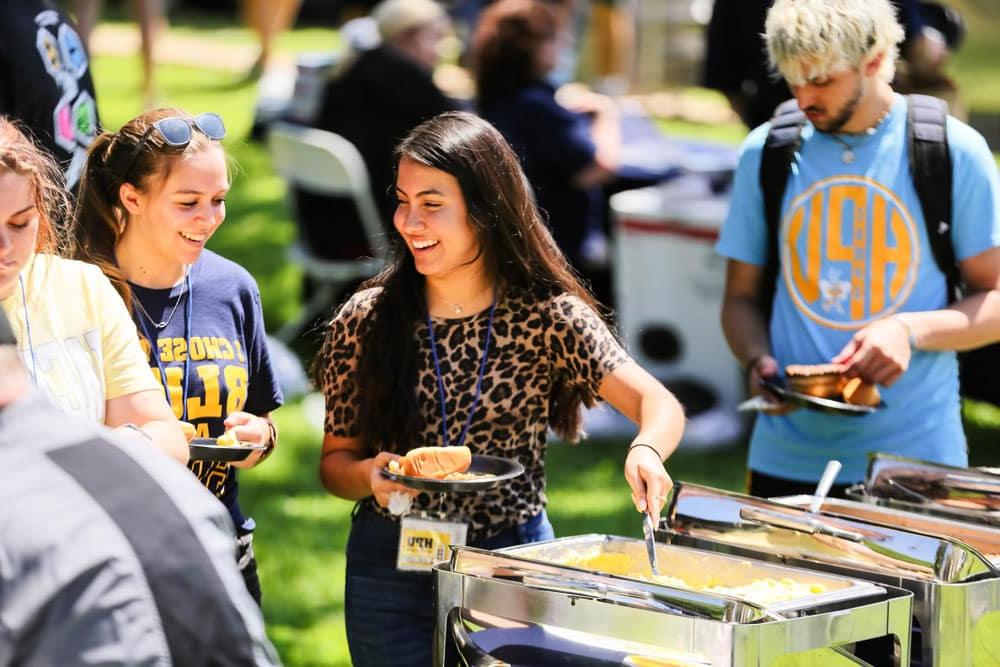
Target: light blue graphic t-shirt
column 854, row 249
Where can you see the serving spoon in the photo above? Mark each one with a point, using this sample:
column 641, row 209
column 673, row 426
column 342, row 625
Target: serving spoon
column 825, row 482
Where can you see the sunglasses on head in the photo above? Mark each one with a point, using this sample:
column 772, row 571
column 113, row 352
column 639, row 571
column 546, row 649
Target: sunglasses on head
column 177, row 132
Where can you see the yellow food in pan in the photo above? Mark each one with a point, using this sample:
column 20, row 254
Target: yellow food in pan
column 763, row 591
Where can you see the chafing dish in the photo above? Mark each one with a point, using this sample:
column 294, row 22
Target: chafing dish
column 956, row 589
column 983, row 538
column 544, row 590
column 967, row 494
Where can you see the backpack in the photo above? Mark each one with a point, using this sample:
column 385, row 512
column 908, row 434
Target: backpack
column 930, row 168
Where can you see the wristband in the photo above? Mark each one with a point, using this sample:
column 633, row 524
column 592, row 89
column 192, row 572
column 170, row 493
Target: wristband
column 642, row 444
column 274, row 438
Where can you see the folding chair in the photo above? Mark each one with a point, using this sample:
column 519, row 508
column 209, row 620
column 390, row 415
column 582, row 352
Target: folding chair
column 325, row 163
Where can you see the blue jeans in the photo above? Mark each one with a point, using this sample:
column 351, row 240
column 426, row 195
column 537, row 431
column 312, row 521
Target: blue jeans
column 389, row 613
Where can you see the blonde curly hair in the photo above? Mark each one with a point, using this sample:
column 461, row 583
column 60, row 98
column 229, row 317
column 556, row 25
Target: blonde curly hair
column 811, row 39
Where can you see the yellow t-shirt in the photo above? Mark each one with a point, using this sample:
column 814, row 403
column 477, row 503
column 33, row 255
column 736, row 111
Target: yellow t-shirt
column 75, row 336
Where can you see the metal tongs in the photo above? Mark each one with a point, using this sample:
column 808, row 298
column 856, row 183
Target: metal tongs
column 648, row 531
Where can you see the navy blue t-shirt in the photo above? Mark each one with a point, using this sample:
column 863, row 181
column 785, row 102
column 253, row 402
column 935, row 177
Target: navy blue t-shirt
column 554, row 145
column 219, row 324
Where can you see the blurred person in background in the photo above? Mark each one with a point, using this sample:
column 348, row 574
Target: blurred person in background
column 152, row 18
column 375, row 98
column 568, row 153
column 933, row 32
column 614, row 45
column 76, row 337
column 98, row 534
column 46, row 83
column 268, row 19
column 849, row 264
column 736, row 61
column 151, row 196
column 478, row 334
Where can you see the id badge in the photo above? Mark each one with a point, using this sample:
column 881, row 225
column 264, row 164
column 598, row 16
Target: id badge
column 424, row 542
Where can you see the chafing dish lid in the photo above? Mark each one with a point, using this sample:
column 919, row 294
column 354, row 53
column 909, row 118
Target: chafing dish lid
column 762, row 525
column 912, row 480
column 985, row 539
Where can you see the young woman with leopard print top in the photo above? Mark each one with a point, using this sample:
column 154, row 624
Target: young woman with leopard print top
column 477, row 307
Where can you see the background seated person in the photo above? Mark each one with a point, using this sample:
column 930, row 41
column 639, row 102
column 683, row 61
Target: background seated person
column 374, row 100
column 568, row 154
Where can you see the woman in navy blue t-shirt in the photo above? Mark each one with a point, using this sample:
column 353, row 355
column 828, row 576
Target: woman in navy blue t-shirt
column 151, row 196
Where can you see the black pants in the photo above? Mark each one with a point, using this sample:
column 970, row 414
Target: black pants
column 767, row 486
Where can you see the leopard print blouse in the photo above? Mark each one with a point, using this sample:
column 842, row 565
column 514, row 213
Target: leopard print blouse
column 533, row 343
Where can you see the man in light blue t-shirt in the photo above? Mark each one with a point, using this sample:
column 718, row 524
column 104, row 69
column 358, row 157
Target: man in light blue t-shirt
column 857, row 283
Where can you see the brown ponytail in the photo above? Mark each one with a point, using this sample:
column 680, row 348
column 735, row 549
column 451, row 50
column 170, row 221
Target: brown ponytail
column 98, row 223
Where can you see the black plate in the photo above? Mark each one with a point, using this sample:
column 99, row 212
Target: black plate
column 205, row 449
column 777, row 386
column 499, row 468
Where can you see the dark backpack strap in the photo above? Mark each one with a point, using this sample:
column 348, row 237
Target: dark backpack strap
column 930, row 169
column 783, row 141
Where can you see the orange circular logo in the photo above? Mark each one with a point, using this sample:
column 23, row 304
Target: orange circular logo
column 849, row 252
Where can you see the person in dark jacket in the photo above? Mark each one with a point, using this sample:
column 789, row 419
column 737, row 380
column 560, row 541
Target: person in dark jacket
column 570, row 152
column 85, row 513
column 378, row 96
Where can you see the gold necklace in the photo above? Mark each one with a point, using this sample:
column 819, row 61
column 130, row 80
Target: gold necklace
column 848, row 156
column 457, row 308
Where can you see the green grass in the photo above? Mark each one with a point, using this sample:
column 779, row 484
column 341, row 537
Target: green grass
column 302, row 530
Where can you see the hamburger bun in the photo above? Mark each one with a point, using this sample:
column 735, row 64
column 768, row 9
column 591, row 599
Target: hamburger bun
column 820, row 380
column 859, row 392
column 435, row 462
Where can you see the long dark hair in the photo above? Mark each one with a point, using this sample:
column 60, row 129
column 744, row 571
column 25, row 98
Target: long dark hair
column 519, row 255
column 134, row 154
column 505, row 46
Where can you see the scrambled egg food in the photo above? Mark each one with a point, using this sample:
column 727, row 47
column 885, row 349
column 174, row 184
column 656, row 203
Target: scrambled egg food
column 227, row 439
column 761, row 591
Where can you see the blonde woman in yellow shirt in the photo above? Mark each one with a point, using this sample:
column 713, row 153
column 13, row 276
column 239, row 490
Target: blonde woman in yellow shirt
column 74, row 333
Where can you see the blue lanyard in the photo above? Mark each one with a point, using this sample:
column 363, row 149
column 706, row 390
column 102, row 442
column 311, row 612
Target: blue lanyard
column 27, row 329
column 155, row 352
column 479, row 379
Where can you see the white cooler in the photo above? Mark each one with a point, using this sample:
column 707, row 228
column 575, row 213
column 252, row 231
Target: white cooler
column 668, row 284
